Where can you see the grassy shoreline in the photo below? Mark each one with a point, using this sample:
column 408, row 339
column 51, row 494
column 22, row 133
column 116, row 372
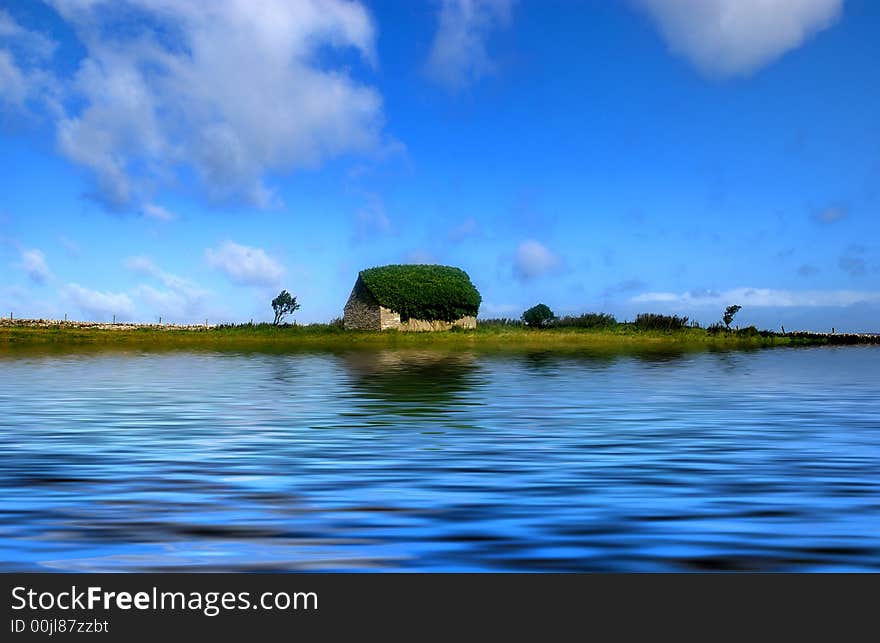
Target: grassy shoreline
column 327, row 337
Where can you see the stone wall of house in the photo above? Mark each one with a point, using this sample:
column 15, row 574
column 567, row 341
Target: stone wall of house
column 421, row 325
column 361, row 313
column 388, row 319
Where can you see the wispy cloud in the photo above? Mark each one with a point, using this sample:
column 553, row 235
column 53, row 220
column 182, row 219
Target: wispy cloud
column 853, row 261
column 762, row 297
column 807, row 270
column 23, row 78
column 245, row 265
column 420, row 257
column 180, row 298
column 166, row 303
column 533, row 259
column 157, row 212
column 13, row 87
column 459, row 55
column 70, row 245
column 831, row 214
column 371, row 220
column 141, row 264
column 727, row 38
column 33, row 43
column 467, row 228
column 33, row 262
column 622, row 287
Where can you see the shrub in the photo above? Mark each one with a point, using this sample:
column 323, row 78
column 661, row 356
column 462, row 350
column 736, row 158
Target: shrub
column 422, row 291
column 538, row 316
column 500, row 322
column 587, row 320
column 283, row 305
column 715, row 328
column 653, row 321
column 729, row 313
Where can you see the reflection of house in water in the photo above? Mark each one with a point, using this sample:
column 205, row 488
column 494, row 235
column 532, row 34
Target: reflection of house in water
column 411, row 382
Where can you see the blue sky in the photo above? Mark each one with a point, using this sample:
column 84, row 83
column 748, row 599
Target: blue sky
column 162, row 158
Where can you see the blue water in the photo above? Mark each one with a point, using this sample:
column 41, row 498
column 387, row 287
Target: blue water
column 407, row 461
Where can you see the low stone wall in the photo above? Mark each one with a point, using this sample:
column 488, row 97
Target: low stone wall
column 58, row 323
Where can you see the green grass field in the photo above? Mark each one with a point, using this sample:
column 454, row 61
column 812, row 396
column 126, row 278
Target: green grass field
column 265, row 337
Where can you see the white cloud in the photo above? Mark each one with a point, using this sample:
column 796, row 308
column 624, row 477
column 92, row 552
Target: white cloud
column 245, row 265
column 33, row 262
column 230, row 92
column 157, row 212
column 100, row 304
column 26, row 303
column 726, row 38
column 165, row 303
column 182, row 297
column 458, row 55
column 145, row 266
column 179, row 298
column 761, row 298
column 533, row 259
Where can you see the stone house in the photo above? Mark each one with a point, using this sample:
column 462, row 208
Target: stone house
column 378, row 297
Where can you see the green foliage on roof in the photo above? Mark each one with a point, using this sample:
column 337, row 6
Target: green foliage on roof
column 423, row 291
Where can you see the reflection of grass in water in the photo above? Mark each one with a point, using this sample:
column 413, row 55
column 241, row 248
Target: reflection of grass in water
column 410, row 382
column 267, row 338
column 548, row 361
column 425, row 382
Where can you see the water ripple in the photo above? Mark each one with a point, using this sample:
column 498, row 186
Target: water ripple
column 760, row 461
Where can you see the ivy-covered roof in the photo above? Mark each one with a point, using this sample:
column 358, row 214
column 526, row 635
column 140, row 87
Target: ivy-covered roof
column 423, row 291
